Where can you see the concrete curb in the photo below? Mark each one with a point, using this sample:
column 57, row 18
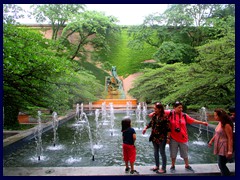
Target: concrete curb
column 200, row 170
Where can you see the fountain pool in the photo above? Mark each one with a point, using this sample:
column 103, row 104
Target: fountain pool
column 74, row 149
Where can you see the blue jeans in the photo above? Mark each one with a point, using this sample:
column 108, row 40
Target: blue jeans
column 160, row 147
column 222, row 161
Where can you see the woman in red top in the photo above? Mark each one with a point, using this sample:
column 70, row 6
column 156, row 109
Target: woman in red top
column 179, row 134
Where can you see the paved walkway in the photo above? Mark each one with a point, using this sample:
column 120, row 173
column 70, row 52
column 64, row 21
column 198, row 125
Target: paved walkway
column 200, row 170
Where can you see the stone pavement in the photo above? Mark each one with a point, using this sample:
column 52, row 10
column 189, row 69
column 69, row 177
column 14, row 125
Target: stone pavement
column 200, row 170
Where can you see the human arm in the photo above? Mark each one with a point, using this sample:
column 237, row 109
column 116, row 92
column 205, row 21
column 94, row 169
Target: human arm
column 200, row 122
column 134, row 137
column 228, row 131
column 144, row 130
column 211, row 141
column 149, row 124
column 168, row 131
column 168, row 137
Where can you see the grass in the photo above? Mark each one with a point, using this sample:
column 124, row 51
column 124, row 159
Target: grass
column 127, row 60
column 98, row 73
column 20, row 127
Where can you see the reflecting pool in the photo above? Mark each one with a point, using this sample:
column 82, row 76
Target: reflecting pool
column 73, row 148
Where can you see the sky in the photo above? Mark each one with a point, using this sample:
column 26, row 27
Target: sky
column 127, row 14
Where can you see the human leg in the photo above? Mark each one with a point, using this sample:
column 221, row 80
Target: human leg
column 126, row 157
column 173, row 147
column 156, row 154
column 222, row 161
column 163, row 154
column 132, row 156
column 183, row 147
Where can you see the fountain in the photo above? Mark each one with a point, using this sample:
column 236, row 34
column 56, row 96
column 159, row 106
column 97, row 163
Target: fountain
column 90, row 108
column 114, row 85
column 203, row 117
column 141, row 122
column 104, row 114
column 112, row 117
column 55, row 126
column 144, row 114
column 167, row 107
column 128, row 109
column 83, row 122
column 38, row 136
column 97, row 133
column 76, row 136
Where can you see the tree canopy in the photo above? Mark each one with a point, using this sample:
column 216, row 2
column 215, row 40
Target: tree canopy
column 200, row 73
column 37, row 75
column 56, row 14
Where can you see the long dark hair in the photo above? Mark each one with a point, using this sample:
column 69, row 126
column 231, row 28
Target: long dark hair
column 176, row 104
column 223, row 117
column 126, row 123
column 160, row 106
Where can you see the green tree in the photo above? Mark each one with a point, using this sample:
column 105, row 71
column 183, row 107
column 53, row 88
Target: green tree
column 12, row 12
column 210, row 80
column 176, row 32
column 92, row 28
column 170, row 53
column 36, row 76
column 56, row 14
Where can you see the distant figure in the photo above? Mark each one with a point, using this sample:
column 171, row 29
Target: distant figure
column 128, row 147
column 232, row 117
column 233, row 113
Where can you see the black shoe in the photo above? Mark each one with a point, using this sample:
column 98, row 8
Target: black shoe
column 172, row 169
column 127, row 170
column 189, row 168
column 154, row 169
column 134, row 172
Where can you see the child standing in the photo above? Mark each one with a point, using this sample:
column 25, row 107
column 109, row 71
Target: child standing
column 129, row 149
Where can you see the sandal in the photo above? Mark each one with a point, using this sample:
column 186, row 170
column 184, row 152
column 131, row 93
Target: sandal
column 154, row 169
column 161, row 171
column 134, row 172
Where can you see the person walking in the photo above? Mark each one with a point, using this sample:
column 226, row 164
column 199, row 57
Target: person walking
column 160, row 135
column 223, row 140
column 179, row 134
column 128, row 147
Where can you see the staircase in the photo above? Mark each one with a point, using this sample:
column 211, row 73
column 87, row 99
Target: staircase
column 118, row 104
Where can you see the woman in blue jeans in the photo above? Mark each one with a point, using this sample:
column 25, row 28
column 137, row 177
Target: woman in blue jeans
column 159, row 136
